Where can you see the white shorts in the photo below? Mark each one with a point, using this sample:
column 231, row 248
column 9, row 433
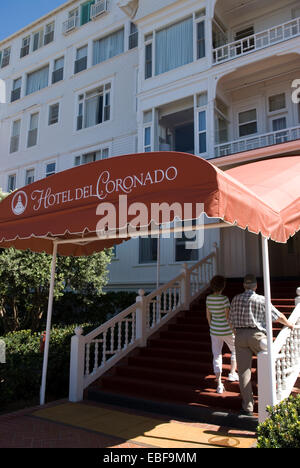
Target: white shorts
column 217, row 346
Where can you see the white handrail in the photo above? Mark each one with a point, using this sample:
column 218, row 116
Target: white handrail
column 260, row 40
column 286, row 352
column 257, row 141
column 94, row 354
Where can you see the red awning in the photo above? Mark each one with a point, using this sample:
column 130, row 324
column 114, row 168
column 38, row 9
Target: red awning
column 263, row 197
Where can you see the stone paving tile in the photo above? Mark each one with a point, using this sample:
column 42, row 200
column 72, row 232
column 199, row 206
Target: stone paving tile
column 22, row 430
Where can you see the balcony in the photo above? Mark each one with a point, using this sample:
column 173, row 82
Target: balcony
column 258, row 41
column 98, row 9
column 71, row 24
column 257, row 141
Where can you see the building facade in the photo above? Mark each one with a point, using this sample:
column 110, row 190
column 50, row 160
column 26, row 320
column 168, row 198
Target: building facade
column 98, row 79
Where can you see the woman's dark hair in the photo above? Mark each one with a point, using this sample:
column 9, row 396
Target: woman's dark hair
column 218, row 283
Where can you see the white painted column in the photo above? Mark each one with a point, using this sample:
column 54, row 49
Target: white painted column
column 266, row 362
column 77, row 366
column 48, row 326
column 141, row 319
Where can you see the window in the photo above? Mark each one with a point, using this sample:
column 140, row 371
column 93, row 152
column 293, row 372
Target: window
column 5, row 57
column 92, row 157
column 58, row 70
column 247, row 123
column 38, row 40
column 200, row 39
column 108, row 47
column 147, row 139
column 174, row 46
column 50, row 169
column 147, row 250
column 202, row 124
column 183, row 254
column 11, row 183
column 81, row 59
column 25, row 46
column 53, row 114
column 86, row 12
column 94, row 107
column 37, row 80
column 49, row 33
column 16, row 91
column 33, row 130
column 277, row 102
column 148, row 60
column 15, row 136
column 133, row 36
column 29, row 176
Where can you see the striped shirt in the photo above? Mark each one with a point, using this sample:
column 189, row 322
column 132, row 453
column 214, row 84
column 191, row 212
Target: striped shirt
column 248, row 311
column 217, row 305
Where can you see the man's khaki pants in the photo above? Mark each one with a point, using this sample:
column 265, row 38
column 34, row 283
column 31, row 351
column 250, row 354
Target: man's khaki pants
column 248, row 342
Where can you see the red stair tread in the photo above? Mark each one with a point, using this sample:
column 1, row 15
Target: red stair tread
column 176, row 365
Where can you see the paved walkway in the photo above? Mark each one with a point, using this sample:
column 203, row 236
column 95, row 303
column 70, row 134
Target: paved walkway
column 88, row 425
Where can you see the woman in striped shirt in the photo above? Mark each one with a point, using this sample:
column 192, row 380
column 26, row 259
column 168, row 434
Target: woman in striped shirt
column 217, row 313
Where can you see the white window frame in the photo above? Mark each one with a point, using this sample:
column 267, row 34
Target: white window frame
column 14, row 175
column 58, row 117
column 13, row 136
column 27, row 170
column 200, row 109
column 4, row 54
column 37, row 128
column 104, row 89
column 99, row 156
column 48, row 163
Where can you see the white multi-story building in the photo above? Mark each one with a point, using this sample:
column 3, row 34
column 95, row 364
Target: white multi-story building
column 98, row 79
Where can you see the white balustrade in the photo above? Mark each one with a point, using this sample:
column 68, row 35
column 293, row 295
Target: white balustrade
column 258, row 41
column 98, row 8
column 71, row 24
column 257, row 141
column 286, row 349
column 94, row 354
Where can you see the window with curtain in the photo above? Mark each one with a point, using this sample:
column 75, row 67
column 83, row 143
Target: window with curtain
column 108, row 47
column 15, row 136
column 174, row 46
column 37, row 80
column 33, row 130
column 94, row 107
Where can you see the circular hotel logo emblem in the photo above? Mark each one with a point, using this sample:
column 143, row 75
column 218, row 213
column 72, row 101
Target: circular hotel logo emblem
column 19, row 203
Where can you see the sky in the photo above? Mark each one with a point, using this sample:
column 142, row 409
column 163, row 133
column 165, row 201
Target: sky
column 15, row 14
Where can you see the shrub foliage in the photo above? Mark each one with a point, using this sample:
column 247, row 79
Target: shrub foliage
column 282, row 428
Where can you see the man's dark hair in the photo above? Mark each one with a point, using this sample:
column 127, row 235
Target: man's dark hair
column 218, row 283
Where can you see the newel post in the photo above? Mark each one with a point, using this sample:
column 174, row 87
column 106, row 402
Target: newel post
column 185, row 286
column 141, row 319
column 77, row 366
column 216, row 259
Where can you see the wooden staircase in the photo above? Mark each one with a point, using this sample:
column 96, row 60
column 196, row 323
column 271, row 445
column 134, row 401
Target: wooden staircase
column 173, row 374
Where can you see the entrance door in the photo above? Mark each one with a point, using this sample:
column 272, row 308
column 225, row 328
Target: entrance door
column 285, row 258
column 184, row 138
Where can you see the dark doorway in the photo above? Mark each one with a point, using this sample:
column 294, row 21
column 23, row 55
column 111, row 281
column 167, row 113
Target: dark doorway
column 184, row 138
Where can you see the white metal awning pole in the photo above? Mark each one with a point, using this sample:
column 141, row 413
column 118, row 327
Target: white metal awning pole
column 158, row 263
column 48, row 327
column 267, row 292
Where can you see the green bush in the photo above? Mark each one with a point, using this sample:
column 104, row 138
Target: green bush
column 20, row 377
column 282, row 428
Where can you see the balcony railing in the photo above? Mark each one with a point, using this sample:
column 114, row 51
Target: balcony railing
column 71, row 24
column 257, row 141
column 98, row 8
column 258, row 41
